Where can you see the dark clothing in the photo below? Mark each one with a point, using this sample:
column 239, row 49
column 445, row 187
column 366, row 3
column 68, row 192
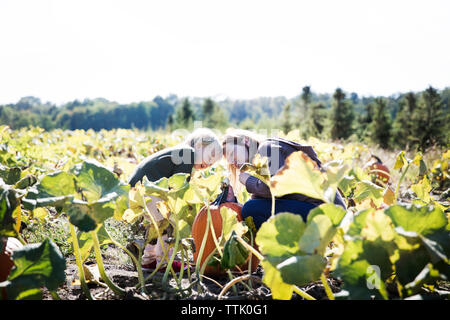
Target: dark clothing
column 164, row 163
column 261, row 209
column 277, row 150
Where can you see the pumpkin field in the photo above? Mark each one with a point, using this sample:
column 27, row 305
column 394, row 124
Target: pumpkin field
column 79, row 228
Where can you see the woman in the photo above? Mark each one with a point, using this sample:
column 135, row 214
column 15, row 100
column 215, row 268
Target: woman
column 241, row 146
column 200, row 150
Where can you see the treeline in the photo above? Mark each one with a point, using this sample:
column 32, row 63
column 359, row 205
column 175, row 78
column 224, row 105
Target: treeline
column 408, row 121
column 412, row 120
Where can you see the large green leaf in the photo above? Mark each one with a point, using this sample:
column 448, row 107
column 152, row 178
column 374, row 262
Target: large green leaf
column 423, row 220
column 301, row 270
column 334, row 212
column 317, row 235
column 95, row 181
column 299, row 175
column 36, row 265
column 359, row 275
column 86, row 216
column 279, row 236
column 54, row 189
column 378, row 226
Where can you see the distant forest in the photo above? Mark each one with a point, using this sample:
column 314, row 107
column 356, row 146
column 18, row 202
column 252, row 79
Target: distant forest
column 411, row 120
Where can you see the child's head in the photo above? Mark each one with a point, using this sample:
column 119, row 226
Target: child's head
column 206, row 146
column 240, row 146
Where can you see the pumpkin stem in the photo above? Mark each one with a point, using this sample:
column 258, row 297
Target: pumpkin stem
column 376, row 158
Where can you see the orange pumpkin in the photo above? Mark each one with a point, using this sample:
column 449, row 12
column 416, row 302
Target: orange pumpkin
column 380, row 171
column 199, row 229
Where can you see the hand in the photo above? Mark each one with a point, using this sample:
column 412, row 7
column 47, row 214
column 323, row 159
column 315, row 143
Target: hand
column 243, row 176
column 230, row 195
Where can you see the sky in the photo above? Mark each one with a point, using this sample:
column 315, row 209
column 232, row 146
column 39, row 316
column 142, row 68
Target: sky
column 129, row 51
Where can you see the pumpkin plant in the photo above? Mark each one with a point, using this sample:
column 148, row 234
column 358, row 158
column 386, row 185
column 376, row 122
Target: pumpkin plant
column 89, row 193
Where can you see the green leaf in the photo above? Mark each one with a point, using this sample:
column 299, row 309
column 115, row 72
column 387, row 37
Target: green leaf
column 359, row 275
column 301, row 270
column 334, row 212
column 37, row 265
column 8, row 203
column 178, row 180
column 317, row 235
column 10, row 175
column 86, row 242
column 79, row 216
column 57, row 184
column 378, row 226
column 335, row 172
column 368, row 190
column 230, row 224
column 359, row 222
column 96, row 181
column 347, row 184
column 26, row 182
column 272, row 279
column 423, row 220
column 234, row 253
column 279, row 235
column 54, row 189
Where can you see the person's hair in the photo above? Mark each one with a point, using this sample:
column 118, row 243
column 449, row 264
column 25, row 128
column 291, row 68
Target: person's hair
column 202, row 138
column 247, row 139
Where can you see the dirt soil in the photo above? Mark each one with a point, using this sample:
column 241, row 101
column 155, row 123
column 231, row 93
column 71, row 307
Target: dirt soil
column 127, row 278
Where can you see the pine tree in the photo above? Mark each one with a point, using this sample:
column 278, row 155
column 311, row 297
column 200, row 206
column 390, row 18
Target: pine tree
column 185, row 114
column 213, row 115
column 341, row 116
column 316, row 119
column 364, row 121
column 430, row 118
column 208, row 109
column 380, row 128
column 286, row 118
column 403, row 126
column 302, row 107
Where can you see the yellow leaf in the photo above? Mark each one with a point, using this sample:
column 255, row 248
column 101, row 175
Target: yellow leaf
column 388, row 196
column 130, row 216
column 40, row 213
column 299, row 175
